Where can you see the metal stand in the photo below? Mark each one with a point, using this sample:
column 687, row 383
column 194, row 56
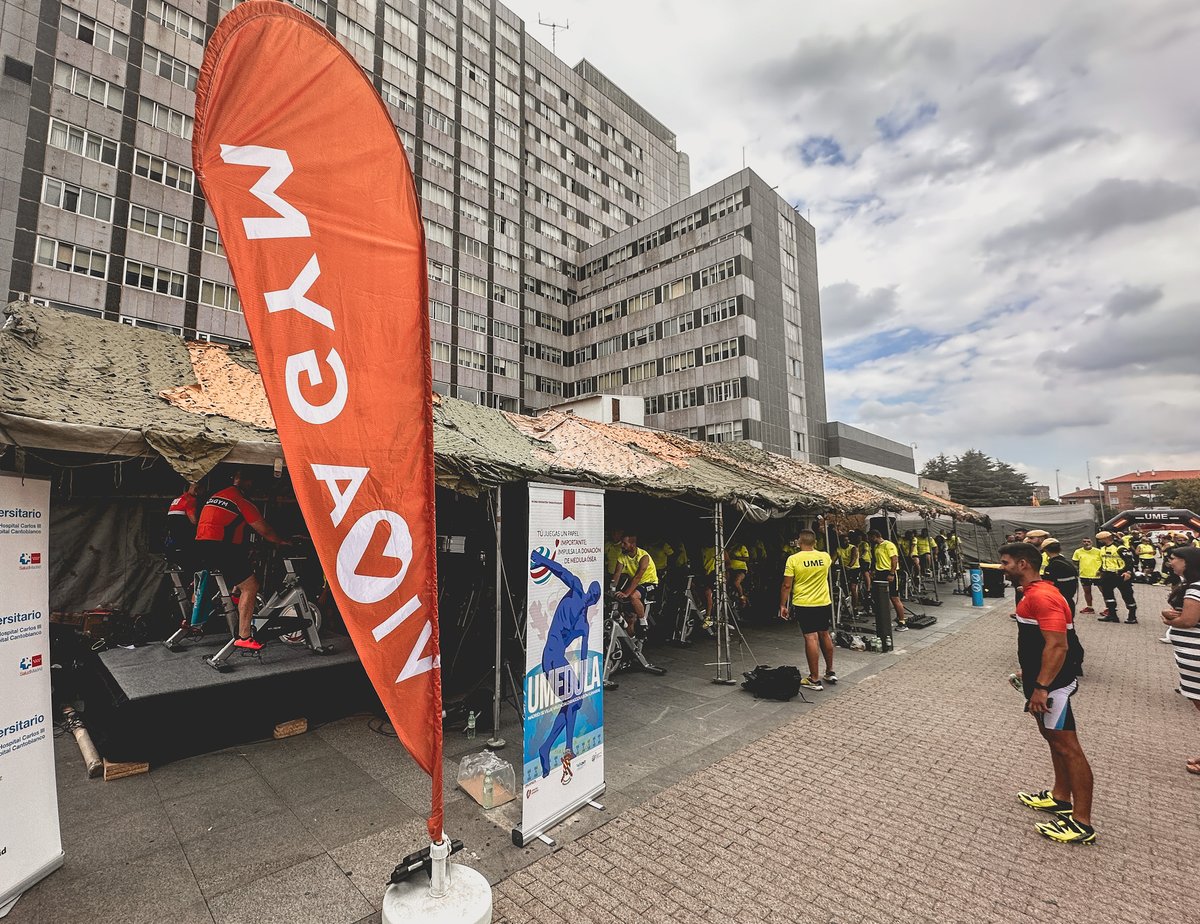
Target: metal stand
column 453, row 894
column 724, row 662
column 620, row 642
column 495, row 742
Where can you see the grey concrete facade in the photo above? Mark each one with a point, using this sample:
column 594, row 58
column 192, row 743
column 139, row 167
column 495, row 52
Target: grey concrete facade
column 529, row 170
column 868, row 452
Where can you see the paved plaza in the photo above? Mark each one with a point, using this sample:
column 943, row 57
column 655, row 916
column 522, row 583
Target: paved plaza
column 890, row 798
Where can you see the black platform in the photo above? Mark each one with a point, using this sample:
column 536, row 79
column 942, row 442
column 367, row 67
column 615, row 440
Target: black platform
column 152, row 704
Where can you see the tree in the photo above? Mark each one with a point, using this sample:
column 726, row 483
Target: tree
column 977, row 480
column 1183, row 494
column 937, row 468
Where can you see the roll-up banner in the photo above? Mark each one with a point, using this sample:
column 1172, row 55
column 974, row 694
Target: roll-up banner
column 564, row 706
column 30, row 843
column 315, row 204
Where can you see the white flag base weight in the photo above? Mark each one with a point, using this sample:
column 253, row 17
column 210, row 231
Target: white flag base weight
column 468, row 899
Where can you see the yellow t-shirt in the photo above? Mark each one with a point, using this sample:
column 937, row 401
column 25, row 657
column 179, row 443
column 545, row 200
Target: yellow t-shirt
column 923, row 545
column 1127, row 541
column 660, row 553
column 708, row 555
column 809, row 571
column 630, row 561
column 1146, row 551
column 612, row 551
column 883, row 555
column 1088, row 561
column 952, row 541
column 738, row 559
column 848, row 556
column 864, row 555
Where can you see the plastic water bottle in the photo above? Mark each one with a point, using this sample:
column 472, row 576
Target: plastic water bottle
column 1016, row 683
column 489, row 789
column 471, row 724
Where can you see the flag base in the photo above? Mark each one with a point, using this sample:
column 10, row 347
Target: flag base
column 468, row 900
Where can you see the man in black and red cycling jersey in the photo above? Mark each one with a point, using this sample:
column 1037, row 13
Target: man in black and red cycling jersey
column 221, row 546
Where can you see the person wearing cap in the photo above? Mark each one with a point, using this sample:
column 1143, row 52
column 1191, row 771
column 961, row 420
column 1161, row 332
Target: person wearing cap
column 1087, row 558
column 1035, row 537
column 1146, row 554
column 1116, row 573
column 1059, row 571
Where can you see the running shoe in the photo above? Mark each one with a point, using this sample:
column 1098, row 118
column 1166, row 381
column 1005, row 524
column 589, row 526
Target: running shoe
column 1131, row 621
column 248, row 644
column 1107, row 618
column 1066, row 830
column 1044, row 801
column 902, row 627
column 807, row 684
column 830, row 677
column 1087, row 610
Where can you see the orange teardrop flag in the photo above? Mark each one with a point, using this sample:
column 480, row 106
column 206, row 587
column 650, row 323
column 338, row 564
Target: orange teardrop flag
column 316, row 207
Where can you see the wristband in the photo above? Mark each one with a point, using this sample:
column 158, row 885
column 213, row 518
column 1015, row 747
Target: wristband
column 1040, row 686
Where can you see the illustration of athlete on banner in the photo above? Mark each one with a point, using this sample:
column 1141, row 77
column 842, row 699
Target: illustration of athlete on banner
column 564, row 718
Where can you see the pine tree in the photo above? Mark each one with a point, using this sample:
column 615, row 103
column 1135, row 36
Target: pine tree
column 977, row 480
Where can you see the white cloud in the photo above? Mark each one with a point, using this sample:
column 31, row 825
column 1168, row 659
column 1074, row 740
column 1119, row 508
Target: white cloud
column 926, row 142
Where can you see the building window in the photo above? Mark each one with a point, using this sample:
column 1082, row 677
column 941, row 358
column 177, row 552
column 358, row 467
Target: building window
column 440, row 311
column 440, row 272
column 610, row 381
column 727, row 432
column 212, row 242
column 219, row 295
column 438, row 233
column 176, row 20
column 470, row 320
column 719, row 352
column 725, row 206
column 156, row 224
column 77, row 199
column 154, row 279
column 643, row 371
column 437, row 195
column 438, row 120
column 354, row 31
column 715, row 274
column 95, row 33
column 81, row 83
column 502, row 330
column 400, row 22
column 82, row 142
column 164, row 118
column 440, row 351
column 470, row 359
column 468, row 282
column 400, row 61
column 679, row 362
column 174, row 70
column 163, row 171
column 402, row 100
column 722, row 391
column 71, row 257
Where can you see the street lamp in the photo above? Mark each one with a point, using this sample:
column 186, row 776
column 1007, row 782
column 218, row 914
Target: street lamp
column 1057, row 489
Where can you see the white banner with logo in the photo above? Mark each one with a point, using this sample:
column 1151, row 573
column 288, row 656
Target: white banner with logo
column 564, row 708
column 30, row 845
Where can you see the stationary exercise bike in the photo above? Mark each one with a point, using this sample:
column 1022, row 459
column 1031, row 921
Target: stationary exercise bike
column 289, row 616
column 623, row 651
column 688, row 618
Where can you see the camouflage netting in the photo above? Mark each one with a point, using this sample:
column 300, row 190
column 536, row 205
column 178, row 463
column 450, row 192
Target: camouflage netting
column 82, row 384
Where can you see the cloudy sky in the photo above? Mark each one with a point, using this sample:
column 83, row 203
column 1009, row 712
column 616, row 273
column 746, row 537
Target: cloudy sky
column 1006, row 199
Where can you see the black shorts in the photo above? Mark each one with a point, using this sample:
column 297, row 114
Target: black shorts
column 647, row 591
column 233, row 561
column 813, row 618
column 1090, row 582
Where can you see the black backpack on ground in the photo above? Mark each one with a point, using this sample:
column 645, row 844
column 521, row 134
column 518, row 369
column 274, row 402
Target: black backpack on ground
column 767, row 682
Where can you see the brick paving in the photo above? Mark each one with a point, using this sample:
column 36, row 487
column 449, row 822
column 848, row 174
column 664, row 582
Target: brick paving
column 894, row 802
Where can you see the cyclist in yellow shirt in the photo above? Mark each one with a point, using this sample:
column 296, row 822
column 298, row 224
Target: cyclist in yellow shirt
column 739, row 569
column 924, row 550
column 848, row 561
column 805, row 598
column 636, row 579
column 1087, row 559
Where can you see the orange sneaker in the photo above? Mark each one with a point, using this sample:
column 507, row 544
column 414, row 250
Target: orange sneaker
column 248, row 644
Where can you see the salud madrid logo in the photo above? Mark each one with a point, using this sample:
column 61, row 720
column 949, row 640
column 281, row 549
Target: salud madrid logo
column 30, row 665
column 28, row 560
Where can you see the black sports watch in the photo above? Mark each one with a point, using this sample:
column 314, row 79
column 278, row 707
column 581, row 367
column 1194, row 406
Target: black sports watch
column 1040, row 686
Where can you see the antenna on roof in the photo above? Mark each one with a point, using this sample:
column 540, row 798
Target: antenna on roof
column 554, row 30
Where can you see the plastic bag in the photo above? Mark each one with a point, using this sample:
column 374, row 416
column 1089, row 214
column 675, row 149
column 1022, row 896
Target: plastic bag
column 487, row 779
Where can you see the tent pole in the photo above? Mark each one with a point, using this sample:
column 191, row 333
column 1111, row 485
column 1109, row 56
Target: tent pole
column 496, row 742
column 720, row 600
